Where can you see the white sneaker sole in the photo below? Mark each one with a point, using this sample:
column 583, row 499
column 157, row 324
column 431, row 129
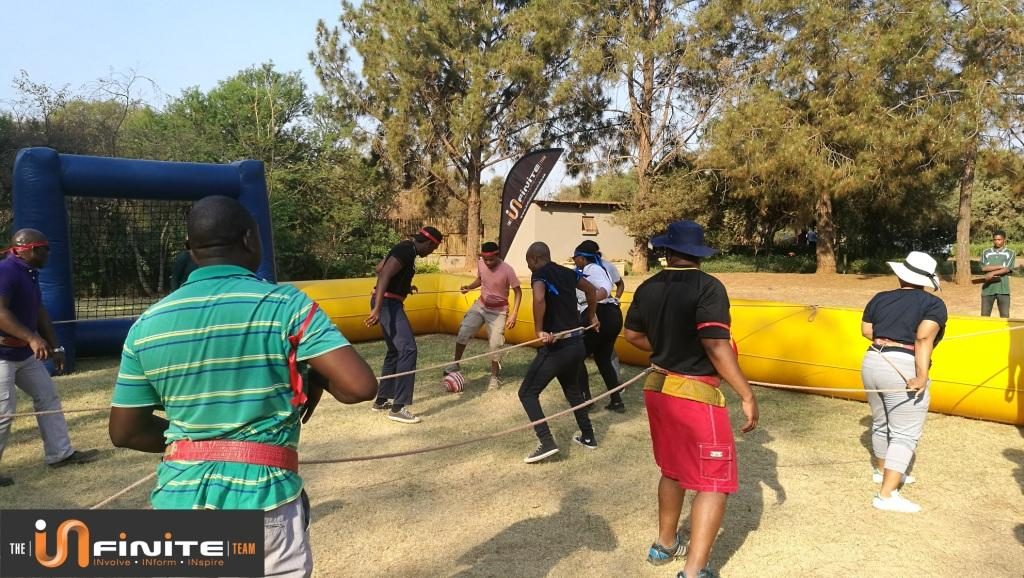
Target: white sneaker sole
column 537, row 458
column 403, row 419
column 883, row 505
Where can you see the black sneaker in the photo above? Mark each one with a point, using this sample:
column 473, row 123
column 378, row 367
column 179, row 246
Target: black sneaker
column 381, row 406
column 616, row 406
column 6, row 481
column 589, row 442
column 543, row 451
column 78, row 457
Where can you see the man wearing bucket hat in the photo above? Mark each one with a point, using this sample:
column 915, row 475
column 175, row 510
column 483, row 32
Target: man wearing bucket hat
column 904, row 325
column 681, row 315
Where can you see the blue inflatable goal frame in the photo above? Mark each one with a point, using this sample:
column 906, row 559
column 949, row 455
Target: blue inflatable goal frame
column 43, row 178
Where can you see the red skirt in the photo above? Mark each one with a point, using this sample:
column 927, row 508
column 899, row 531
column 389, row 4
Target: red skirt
column 693, row 443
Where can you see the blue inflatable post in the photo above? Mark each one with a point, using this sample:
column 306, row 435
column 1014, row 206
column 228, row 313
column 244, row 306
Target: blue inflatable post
column 42, row 180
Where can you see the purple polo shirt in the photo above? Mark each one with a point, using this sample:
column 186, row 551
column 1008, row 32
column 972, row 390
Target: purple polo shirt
column 20, row 284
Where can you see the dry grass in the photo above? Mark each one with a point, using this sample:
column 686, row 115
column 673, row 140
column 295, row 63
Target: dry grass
column 803, row 508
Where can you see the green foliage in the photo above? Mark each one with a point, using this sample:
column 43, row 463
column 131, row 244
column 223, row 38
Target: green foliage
column 766, row 263
column 451, row 89
column 427, row 266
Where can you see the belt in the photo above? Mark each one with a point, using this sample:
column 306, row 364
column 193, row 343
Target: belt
column 253, row 453
column 13, row 342
column 699, row 388
column 882, row 342
column 390, row 295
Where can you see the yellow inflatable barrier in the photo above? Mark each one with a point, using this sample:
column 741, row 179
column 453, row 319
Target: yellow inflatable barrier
column 977, row 368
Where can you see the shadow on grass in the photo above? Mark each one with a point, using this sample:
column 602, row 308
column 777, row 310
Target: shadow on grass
column 759, row 469
column 531, row 540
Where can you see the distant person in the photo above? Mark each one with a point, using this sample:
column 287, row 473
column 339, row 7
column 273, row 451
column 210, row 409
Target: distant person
column 554, row 310
column 904, row 325
column 495, row 277
column 997, row 263
column 599, row 343
column 234, row 399
column 181, row 268
column 26, row 340
column 681, row 315
column 394, row 283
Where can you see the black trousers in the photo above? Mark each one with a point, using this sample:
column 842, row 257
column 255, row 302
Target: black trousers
column 601, row 344
column 560, row 360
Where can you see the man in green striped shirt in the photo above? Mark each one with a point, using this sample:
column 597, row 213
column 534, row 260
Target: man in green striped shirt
column 997, row 263
column 215, row 356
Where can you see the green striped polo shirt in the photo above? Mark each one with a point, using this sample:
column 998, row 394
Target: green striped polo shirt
column 214, row 354
column 1001, row 258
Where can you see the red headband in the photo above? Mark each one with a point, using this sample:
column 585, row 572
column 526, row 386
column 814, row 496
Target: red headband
column 489, row 253
column 26, row 246
column 427, row 234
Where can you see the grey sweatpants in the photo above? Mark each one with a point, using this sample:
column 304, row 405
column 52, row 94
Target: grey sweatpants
column 897, row 419
column 31, row 377
column 286, row 550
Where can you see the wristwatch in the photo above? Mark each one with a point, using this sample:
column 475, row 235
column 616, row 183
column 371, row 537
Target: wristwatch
column 59, row 349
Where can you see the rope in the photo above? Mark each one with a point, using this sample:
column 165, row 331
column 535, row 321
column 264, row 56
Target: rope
column 836, row 389
column 986, row 332
column 425, row 450
column 558, row 336
column 124, row 491
column 437, row 448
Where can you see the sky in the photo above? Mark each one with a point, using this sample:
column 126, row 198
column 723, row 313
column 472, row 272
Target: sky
column 176, row 44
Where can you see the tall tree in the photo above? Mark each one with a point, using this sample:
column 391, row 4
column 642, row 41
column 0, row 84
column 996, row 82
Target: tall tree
column 448, row 89
column 651, row 52
column 846, row 103
column 986, row 44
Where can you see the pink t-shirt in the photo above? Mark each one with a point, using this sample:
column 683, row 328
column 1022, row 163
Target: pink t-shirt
column 494, row 285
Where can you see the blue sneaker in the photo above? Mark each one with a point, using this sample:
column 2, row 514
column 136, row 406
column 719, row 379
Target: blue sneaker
column 659, row 555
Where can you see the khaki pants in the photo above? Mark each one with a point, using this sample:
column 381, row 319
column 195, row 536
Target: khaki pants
column 477, row 317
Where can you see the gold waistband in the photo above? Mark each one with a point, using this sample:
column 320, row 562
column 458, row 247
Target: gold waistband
column 685, row 388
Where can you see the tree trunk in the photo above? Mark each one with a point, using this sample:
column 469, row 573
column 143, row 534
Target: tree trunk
column 826, row 245
column 473, row 210
column 963, row 218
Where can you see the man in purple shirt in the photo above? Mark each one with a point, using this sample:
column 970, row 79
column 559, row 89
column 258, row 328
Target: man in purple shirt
column 26, row 339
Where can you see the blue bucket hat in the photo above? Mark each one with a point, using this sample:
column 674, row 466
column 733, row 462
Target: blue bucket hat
column 684, row 237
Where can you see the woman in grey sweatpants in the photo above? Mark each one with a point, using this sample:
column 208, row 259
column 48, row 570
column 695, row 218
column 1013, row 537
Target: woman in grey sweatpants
column 904, row 326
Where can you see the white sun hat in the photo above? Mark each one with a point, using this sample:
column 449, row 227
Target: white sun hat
column 917, row 269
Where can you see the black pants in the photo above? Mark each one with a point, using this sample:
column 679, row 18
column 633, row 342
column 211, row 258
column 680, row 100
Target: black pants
column 1002, row 300
column 559, row 360
column 601, row 344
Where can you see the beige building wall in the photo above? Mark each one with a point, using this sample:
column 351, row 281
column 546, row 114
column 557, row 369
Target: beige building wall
column 560, row 224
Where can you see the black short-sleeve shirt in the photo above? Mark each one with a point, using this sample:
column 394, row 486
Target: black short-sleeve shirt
column 405, row 253
column 676, row 309
column 895, row 315
column 559, row 297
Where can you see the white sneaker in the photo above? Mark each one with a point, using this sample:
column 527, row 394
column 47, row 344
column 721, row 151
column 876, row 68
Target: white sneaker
column 876, row 476
column 895, row 503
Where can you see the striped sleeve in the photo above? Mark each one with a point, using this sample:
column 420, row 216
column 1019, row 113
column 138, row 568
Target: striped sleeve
column 320, row 336
column 132, row 388
column 1012, row 261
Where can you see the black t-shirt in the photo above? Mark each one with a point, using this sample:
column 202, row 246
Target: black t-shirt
column 676, row 309
column 405, row 253
column 559, row 297
column 895, row 315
